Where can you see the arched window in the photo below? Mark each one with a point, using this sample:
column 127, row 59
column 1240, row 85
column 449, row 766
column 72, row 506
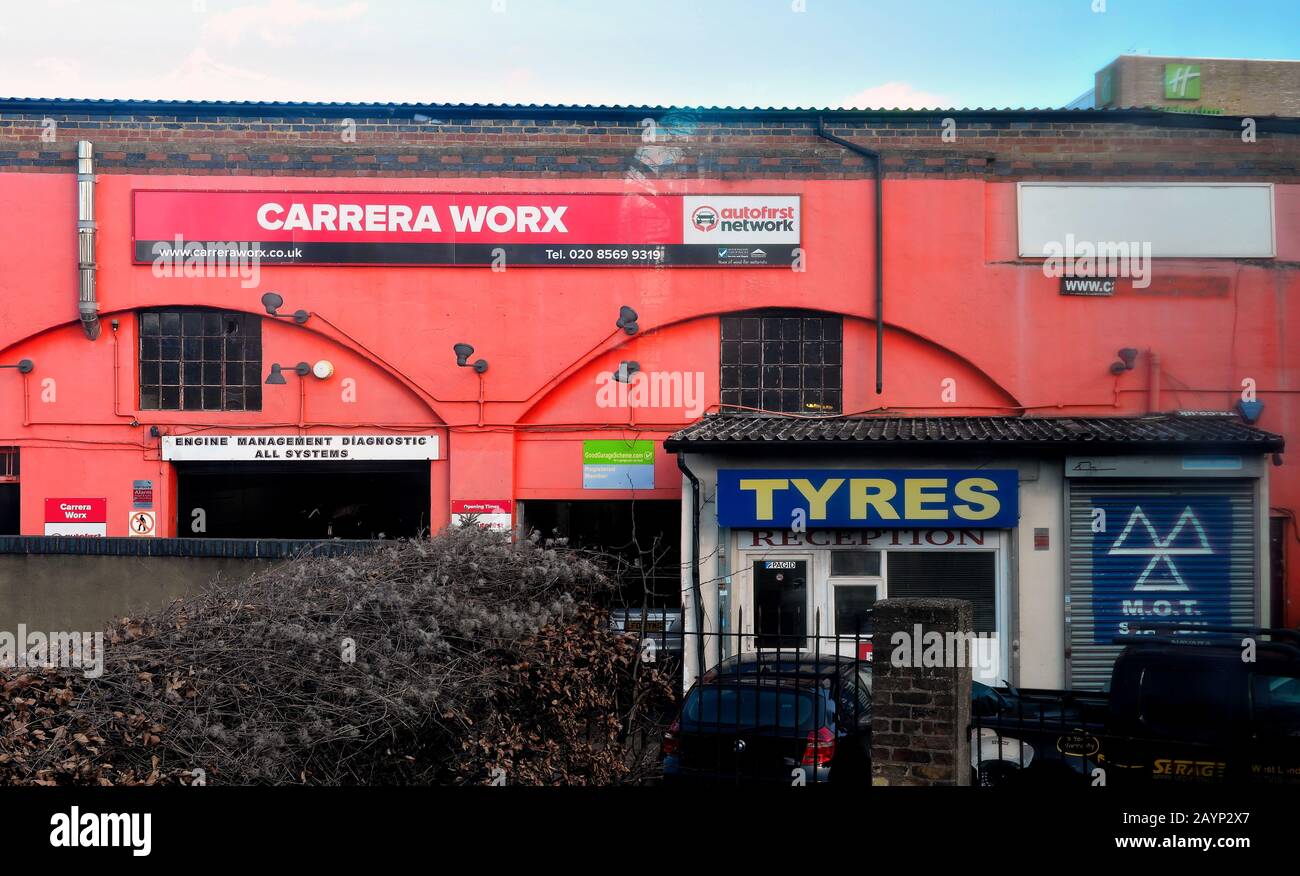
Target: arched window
column 196, row 359
column 782, row 361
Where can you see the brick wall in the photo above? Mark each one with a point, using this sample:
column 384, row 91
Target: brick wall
column 920, row 714
column 993, row 145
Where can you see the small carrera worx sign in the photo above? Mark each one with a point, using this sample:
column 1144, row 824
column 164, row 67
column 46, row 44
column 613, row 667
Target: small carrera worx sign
column 849, row 498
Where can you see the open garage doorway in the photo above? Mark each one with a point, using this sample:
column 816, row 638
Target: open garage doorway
column 644, row 536
column 308, row 500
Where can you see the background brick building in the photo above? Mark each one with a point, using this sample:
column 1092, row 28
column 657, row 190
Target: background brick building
column 1231, row 86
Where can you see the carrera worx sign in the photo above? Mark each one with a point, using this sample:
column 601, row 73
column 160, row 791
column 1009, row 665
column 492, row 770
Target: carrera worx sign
column 466, row 228
column 879, row 499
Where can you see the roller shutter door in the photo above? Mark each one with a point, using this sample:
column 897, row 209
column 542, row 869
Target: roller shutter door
column 1166, row 552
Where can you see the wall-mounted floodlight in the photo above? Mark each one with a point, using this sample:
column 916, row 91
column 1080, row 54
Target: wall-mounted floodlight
column 626, row 370
column 24, row 366
column 276, row 377
column 463, row 352
column 273, row 301
column 1127, row 359
column 627, row 320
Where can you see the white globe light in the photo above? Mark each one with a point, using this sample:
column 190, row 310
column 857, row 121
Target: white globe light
column 322, row 369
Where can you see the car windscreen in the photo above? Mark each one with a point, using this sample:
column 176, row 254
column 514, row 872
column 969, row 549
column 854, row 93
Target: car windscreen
column 719, row 706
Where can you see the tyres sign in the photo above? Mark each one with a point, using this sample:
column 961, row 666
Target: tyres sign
column 856, row 498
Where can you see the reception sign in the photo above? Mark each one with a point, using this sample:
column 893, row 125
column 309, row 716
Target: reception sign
column 476, row 228
column 851, row 498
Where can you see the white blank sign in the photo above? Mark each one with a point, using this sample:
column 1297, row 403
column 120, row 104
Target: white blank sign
column 1180, row 220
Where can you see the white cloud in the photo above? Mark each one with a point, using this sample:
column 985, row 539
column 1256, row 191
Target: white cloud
column 58, row 68
column 276, row 22
column 197, row 77
column 200, row 77
column 897, row 95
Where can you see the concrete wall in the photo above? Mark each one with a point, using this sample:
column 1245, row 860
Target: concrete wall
column 61, row 592
column 1038, row 579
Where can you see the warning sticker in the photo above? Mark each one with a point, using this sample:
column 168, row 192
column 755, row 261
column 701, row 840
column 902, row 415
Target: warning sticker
column 142, row 523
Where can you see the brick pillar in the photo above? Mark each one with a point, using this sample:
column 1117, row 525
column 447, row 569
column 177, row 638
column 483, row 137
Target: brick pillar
column 920, row 713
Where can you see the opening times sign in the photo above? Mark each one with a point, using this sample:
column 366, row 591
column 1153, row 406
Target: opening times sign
column 450, row 229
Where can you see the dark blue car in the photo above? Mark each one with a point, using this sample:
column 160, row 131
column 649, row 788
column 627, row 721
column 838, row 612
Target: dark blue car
column 778, row 717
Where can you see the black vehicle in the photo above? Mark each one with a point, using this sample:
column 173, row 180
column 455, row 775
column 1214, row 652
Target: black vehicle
column 778, row 717
column 1218, row 705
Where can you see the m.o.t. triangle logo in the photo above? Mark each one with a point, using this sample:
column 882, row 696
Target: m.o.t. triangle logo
column 1139, row 538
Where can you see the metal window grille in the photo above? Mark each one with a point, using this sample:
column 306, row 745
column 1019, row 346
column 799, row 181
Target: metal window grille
column 782, row 361
column 200, row 360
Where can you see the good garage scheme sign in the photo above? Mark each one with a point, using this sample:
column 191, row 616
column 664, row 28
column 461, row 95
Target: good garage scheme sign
column 401, row 228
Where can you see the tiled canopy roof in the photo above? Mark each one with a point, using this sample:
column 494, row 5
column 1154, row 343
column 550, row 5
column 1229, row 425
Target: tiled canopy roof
column 1168, row 432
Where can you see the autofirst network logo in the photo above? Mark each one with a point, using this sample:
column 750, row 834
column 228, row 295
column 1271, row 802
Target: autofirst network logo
column 704, row 218
column 747, row 220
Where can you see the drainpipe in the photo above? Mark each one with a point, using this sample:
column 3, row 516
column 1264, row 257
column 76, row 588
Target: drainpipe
column 880, row 242
column 695, row 564
column 1153, row 382
column 87, row 306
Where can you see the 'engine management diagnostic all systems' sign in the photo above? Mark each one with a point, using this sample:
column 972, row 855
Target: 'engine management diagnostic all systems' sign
column 296, row 448
column 887, row 498
column 465, row 228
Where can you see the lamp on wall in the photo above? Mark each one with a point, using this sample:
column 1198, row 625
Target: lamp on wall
column 273, row 301
column 24, row 366
column 627, row 320
column 463, row 352
column 276, row 377
column 1127, row 359
column 626, row 370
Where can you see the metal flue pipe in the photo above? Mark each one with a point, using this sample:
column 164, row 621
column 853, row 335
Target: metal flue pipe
column 87, row 304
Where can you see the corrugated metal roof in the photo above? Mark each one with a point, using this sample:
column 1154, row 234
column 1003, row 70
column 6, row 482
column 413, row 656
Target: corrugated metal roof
column 1169, row 432
column 500, row 110
column 549, row 107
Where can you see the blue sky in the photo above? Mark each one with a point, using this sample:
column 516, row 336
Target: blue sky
column 962, row 53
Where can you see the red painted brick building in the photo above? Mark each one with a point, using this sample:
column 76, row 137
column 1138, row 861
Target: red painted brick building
column 152, row 414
